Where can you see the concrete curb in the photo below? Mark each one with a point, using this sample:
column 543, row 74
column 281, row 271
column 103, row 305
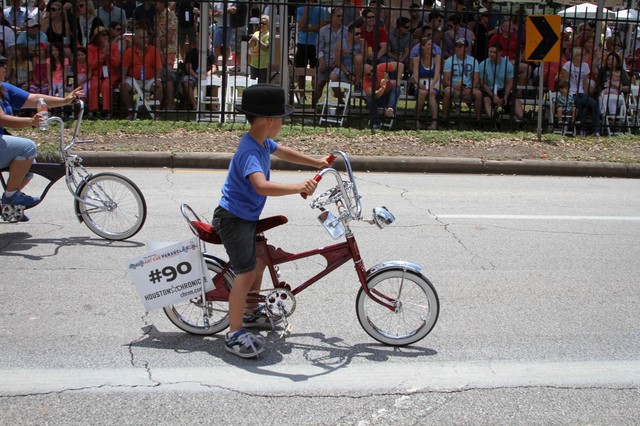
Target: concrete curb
column 375, row 164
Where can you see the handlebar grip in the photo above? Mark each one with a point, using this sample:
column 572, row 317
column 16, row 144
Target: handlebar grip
column 318, row 176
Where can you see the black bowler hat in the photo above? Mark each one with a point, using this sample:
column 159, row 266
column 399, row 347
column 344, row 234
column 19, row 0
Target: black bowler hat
column 264, row 100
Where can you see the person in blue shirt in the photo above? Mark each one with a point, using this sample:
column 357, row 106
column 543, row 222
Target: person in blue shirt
column 496, row 82
column 19, row 153
column 461, row 79
column 244, row 195
column 310, row 18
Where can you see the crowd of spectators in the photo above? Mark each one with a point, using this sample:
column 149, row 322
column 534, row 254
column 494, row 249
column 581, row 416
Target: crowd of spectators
column 470, row 57
column 454, row 57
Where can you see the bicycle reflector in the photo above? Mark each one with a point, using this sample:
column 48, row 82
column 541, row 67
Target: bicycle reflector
column 382, row 217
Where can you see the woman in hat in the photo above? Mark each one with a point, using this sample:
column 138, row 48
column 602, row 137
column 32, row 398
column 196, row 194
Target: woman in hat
column 244, row 195
column 19, row 153
column 104, row 64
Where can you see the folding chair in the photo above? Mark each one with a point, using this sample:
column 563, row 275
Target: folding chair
column 235, row 86
column 208, row 104
column 142, row 100
column 335, row 109
column 632, row 105
column 619, row 117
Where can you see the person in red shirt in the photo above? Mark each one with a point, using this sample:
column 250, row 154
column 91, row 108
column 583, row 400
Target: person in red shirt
column 386, row 89
column 375, row 38
column 141, row 62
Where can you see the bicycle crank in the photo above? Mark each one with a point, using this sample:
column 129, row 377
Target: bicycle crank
column 281, row 303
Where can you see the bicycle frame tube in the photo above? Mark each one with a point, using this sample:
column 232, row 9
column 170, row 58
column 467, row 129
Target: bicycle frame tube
column 336, row 255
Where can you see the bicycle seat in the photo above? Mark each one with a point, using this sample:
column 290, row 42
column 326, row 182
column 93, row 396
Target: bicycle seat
column 209, row 233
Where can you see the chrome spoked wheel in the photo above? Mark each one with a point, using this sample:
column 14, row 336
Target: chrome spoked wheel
column 113, row 206
column 416, row 307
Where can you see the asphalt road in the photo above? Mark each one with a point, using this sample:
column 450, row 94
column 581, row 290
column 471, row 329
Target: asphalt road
column 537, row 278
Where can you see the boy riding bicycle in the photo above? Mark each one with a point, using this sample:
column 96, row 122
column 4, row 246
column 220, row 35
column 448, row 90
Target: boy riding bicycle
column 244, row 195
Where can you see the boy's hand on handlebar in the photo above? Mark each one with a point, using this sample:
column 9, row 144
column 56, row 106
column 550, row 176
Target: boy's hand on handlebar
column 308, row 187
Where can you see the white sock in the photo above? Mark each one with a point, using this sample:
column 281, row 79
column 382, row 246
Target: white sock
column 9, row 194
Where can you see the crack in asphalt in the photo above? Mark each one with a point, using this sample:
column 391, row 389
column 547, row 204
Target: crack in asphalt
column 332, row 396
column 476, row 259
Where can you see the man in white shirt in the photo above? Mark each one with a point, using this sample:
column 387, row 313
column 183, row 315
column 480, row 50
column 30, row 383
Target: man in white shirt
column 109, row 13
column 17, row 15
column 328, row 37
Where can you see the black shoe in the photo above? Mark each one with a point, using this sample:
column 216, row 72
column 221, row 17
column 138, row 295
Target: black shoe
column 479, row 125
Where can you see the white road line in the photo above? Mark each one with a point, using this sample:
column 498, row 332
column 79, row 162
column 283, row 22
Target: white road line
column 536, row 217
column 312, row 379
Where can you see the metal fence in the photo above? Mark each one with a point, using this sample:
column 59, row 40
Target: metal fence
column 207, row 56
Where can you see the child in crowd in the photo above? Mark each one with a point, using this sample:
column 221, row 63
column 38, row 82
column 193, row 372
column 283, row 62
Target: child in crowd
column 244, row 195
column 565, row 103
column 38, row 76
column 57, row 65
column 22, row 67
column 82, row 69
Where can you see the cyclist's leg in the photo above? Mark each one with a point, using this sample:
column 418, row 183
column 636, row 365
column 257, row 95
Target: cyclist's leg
column 18, row 154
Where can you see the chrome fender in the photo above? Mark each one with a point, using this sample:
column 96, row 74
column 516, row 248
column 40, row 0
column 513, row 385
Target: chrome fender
column 209, row 258
column 393, row 264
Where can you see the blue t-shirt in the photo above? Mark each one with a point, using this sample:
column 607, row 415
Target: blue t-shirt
column 238, row 194
column 316, row 14
column 14, row 99
column 496, row 74
column 461, row 69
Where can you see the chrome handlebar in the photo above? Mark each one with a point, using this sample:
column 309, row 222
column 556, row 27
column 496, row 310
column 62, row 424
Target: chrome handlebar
column 347, row 191
column 74, row 138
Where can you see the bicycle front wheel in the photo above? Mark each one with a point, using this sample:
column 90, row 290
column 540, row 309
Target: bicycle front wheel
column 112, row 206
column 416, row 312
column 190, row 315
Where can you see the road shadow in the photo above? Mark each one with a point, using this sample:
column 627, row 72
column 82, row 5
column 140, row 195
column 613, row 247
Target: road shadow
column 326, row 353
column 19, row 243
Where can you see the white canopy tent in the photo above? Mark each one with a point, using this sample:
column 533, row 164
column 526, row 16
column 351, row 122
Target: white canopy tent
column 586, row 11
column 627, row 15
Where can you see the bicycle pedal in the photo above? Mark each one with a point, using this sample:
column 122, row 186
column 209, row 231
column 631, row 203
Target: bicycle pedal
column 12, row 213
column 287, row 330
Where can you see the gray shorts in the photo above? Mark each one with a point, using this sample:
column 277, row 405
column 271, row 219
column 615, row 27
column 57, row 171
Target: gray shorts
column 239, row 239
column 15, row 148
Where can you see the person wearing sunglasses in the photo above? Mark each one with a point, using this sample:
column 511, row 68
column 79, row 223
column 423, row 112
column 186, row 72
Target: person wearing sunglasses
column 56, row 26
column 375, row 38
column 329, row 37
column 259, row 51
column 349, row 57
column 400, row 41
column 87, row 21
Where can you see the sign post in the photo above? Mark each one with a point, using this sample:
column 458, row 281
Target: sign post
column 542, row 45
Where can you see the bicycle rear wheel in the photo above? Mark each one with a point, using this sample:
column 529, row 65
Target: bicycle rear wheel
column 416, row 313
column 189, row 315
column 116, row 208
